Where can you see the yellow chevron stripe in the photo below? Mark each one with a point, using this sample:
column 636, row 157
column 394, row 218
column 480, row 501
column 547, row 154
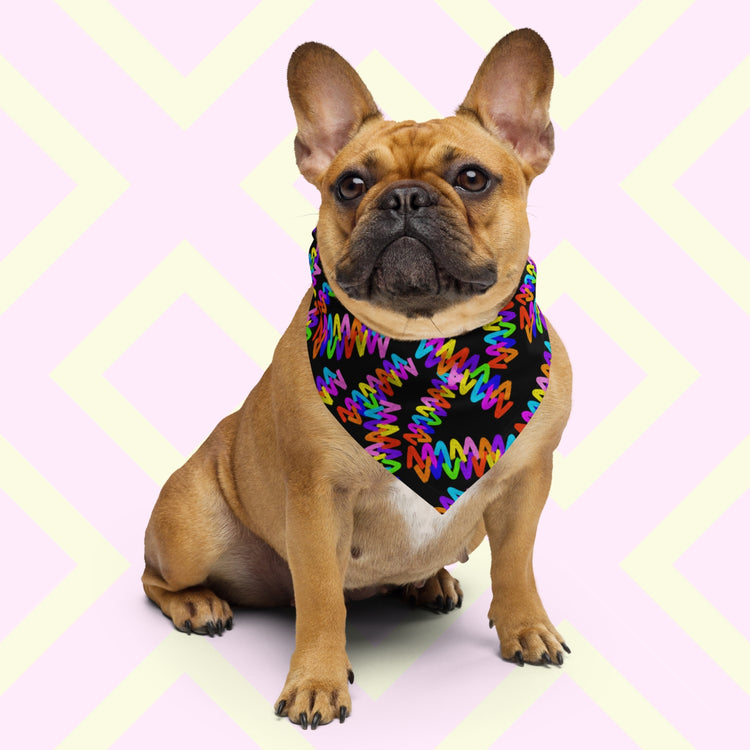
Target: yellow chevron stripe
column 98, row 185
column 517, row 693
column 668, row 374
column 651, row 184
column 81, row 374
column 196, row 657
column 98, row 563
column 186, row 98
column 479, row 19
column 651, row 565
column 502, row 708
column 577, row 91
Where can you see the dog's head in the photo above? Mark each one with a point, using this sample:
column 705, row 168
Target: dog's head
column 422, row 227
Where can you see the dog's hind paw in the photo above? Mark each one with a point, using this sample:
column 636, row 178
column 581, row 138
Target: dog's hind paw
column 440, row 593
column 199, row 610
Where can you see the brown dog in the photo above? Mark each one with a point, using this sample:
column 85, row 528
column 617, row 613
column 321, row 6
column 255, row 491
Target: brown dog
column 422, row 233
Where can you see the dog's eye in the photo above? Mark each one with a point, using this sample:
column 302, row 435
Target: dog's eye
column 349, row 187
column 471, row 179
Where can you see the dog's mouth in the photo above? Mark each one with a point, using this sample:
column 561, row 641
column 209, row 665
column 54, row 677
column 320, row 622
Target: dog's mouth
column 406, row 266
column 407, row 276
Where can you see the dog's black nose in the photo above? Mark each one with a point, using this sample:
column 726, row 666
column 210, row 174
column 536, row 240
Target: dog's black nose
column 406, row 195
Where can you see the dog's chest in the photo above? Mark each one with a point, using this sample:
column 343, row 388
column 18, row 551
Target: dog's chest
column 399, row 538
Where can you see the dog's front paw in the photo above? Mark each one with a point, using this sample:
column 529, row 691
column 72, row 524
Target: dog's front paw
column 440, row 593
column 316, row 696
column 529, row 638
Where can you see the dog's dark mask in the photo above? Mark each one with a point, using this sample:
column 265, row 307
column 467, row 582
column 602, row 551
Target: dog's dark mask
column 409, row 256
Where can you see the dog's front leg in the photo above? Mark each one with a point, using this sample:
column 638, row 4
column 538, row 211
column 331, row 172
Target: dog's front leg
column 525, row 631
column 318, row 544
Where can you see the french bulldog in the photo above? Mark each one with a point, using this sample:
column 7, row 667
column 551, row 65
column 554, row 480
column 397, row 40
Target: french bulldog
column 422, row 241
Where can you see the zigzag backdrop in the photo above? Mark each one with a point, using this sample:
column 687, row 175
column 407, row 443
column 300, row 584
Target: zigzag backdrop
column 152, row 248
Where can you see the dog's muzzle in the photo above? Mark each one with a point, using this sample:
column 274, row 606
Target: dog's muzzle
column 406, row 248
column 406, row 266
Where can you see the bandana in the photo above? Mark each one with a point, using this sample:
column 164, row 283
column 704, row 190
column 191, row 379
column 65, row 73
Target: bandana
column 436, row 413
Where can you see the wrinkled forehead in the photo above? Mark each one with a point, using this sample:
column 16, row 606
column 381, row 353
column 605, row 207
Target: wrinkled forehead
column 413, row 148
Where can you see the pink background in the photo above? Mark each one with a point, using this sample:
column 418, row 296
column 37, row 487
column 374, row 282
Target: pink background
column 185, row 372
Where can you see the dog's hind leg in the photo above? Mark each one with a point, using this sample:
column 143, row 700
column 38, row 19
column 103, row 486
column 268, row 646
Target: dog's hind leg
column 198, row 553
column 187, row 535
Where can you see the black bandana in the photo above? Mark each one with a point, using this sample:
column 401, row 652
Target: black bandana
column 436, row 413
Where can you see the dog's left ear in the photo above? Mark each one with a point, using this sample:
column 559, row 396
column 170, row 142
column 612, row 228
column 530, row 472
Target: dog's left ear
column 330, row 104
column 510, row 96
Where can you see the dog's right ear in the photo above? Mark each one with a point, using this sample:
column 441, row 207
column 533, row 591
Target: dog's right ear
column 330, row 103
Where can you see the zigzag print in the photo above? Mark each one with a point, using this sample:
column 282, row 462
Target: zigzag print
column 436, row 413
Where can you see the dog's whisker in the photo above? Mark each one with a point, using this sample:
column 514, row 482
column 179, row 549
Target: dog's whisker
column 435, row 326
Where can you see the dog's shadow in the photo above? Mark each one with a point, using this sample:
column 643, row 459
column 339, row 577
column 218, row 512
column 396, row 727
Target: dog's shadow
column 370, row 620
column 379, row 630
column 385, row 636
column 380, row 618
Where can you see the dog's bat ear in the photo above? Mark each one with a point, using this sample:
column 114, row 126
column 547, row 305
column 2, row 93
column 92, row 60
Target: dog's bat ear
column 510, row 96
column 330, row 104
